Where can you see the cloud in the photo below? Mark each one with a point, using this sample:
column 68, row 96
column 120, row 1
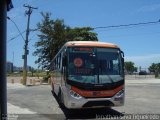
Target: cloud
column 149, row 8
column 145, row 60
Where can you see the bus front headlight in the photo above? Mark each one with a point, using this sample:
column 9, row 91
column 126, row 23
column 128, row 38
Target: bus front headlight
column 74, row 94
column 119, row 95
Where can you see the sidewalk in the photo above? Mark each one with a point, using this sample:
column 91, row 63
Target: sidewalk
column 143, row 81
column 12, row 109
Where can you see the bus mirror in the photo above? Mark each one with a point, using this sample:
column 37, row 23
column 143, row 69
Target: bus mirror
column 122, row 58
column 123, row 61
column 122, row 53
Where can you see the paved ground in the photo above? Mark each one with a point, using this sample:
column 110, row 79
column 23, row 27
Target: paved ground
column 37, row 102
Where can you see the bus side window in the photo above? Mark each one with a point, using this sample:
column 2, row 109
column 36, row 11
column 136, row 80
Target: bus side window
column 63, row 65
column 63, row 70
column 64, row 61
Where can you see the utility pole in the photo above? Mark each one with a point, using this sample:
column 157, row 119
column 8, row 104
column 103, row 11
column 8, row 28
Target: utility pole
column 28, row 12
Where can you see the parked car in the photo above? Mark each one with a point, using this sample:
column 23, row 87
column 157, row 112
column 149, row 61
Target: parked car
column 142, row 73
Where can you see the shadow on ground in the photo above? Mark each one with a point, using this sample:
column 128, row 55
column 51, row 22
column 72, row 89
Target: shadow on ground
column 89, row 113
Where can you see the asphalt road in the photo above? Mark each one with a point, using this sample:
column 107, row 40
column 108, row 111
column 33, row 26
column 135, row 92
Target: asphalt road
column 142, row 97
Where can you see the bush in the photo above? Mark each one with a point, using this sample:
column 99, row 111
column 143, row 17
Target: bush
column 45, row 78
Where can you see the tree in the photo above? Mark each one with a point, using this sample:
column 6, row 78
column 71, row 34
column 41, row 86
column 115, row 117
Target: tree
column 135, row 69
column 129, row 66
column 155, row 67
column 54, row 34
column 50, row 40
column 81, row 34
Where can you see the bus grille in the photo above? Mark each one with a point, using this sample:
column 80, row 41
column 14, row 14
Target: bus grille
column 98, row 103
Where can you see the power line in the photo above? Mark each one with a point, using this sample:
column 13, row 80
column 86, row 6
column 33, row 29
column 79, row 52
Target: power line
column 32, row 30
column 16, row 36
column 128, row 35
column 120, row 28
column 32, row 37
column 127, row 25
column 16, row 27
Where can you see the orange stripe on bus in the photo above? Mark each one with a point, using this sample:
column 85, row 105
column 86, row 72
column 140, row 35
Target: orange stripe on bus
column 101, row 93
column 90, row 44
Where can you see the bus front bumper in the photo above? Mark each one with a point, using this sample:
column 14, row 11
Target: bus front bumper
column 81, row 102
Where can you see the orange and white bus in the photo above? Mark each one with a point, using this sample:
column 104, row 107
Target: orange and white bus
column 88, row 74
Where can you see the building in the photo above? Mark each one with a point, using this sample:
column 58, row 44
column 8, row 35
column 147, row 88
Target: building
column 17, row 69
column 9, row 67
column 29, row 68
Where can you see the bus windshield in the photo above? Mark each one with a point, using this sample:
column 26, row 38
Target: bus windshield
column 94, row 65
column 109, row 65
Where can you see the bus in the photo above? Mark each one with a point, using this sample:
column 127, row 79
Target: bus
column 88, row 74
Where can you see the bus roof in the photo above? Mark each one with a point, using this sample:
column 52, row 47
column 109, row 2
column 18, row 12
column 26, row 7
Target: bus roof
column 91, row 44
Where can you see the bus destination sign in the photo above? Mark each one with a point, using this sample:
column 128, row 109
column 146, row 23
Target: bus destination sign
column 86, row 49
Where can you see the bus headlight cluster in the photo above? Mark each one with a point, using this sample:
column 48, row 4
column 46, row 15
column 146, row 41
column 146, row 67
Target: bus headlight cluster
column 120, row 94
column 75, row 95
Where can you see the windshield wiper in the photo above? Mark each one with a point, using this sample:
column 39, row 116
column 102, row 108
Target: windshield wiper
column 110, row 78
column 107, row 76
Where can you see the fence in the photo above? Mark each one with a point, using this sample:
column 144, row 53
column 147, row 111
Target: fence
column 137, row 76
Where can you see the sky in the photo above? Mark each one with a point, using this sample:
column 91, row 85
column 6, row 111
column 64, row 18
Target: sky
column 141, row 44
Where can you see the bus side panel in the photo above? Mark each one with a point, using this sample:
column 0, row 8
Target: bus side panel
column 57, row 82
column 52, row 80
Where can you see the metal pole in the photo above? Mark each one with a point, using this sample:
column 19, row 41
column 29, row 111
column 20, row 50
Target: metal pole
column 3, row 85
column 13, row 63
